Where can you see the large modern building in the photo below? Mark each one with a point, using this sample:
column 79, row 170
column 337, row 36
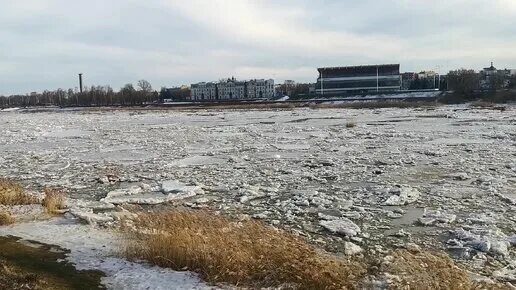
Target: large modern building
column 336, row 81
column 231, row 89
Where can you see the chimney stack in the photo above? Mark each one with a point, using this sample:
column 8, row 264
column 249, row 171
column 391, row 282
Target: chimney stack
column 80, row 82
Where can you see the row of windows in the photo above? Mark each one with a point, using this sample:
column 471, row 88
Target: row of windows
column 229, row 95
column 359, row 84
column 362, row 71
column 369, row 74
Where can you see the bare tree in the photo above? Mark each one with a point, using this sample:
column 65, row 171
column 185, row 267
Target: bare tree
column 144, row 91
column 464, row 82
column 512, row 81
column 144, row 86
column 128, row 94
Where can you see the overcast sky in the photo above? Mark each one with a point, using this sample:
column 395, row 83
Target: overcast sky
column 44, row 44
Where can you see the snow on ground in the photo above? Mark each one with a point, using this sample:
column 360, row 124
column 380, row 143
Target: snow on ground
column 9, row 110
column 95, row 249
column 441, row 177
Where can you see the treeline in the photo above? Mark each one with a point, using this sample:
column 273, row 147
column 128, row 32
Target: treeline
column 128, row 95
column 296, row 91
column 467, row 85
column 467, row 82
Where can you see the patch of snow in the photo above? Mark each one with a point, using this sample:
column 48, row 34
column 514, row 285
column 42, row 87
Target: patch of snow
column 96, row 249
column 10, row 110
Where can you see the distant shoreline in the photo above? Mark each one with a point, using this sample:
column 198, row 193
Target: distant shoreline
column 396, row 100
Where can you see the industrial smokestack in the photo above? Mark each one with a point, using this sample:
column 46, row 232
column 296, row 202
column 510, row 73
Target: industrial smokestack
column 80, row 82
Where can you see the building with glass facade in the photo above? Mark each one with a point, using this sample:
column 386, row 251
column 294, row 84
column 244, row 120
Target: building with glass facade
column 336, row 81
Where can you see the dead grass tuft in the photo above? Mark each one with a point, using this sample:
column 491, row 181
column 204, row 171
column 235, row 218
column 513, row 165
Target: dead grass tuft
column 241, row 253
column 6, row 218
column 426, row 270
column 12, row 193
column 54, row 201
column 11, row 277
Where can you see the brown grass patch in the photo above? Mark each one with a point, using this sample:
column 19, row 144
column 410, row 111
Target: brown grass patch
column 12, row 193
column 426, row 270
column 241, row 253
column 6, row 218
column 54, row 201
column 11, row 277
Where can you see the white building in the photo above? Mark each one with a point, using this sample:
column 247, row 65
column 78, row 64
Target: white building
column 231, row 90
column 492, row 78
column 260, row 89
column 204, row 91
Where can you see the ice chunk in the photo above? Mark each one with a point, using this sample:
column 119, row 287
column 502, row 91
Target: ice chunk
column 507, row 274
column 174, row 186
column 342, row 226
column 351, row 249
column 403, row 196
column 433, row 217
column 170, row 190
column 487, row 241
column 88, row 216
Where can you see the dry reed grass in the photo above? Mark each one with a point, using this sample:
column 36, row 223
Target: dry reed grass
column 426, row 270
column 54, row 201
column 243, row 254
column 6, row 218
column 12, row 277
column 12, row 193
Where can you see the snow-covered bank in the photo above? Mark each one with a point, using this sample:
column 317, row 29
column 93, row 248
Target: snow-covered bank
column 96, row 249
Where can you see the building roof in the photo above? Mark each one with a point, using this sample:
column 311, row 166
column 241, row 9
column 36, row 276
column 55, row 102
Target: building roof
column 490, row 68
column 203, row 84
column 359, row 67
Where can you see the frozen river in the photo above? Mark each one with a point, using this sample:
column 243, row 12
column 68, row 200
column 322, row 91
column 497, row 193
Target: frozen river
column 442, row 177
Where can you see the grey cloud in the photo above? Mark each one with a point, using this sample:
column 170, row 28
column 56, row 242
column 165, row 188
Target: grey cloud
column 172, row 42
